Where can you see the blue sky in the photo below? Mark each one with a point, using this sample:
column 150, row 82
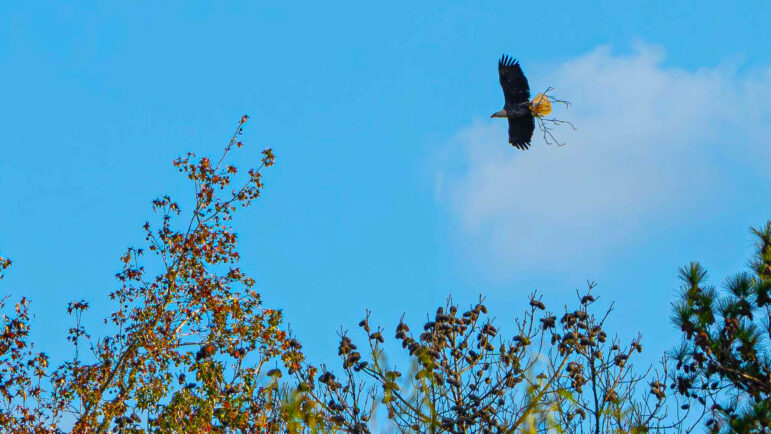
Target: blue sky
column 392, row 188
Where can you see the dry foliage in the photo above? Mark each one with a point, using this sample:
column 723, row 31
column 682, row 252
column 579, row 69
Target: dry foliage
column 188, row 346
column 555, row 373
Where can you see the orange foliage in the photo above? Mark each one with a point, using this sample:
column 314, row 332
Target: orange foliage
column 185, row 348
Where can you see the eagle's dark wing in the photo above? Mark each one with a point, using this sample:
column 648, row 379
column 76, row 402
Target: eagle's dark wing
column 513, row 81
column 521, row 131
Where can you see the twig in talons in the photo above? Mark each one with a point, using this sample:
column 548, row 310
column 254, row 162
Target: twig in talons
column 546, row 124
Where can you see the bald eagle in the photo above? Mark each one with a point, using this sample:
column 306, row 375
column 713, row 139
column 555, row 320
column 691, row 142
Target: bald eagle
column 518, row 108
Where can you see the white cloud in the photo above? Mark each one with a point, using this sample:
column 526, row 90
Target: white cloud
column 654, row 144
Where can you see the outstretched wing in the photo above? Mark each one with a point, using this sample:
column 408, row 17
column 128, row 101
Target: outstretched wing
column 521, row 131
column 513, row 81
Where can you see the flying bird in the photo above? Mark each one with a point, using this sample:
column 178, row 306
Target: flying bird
column 518, row 108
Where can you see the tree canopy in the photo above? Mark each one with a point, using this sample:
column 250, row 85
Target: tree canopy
column 190, row 347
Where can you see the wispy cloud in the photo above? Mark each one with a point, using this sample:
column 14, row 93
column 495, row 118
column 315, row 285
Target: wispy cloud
column 655, row 145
